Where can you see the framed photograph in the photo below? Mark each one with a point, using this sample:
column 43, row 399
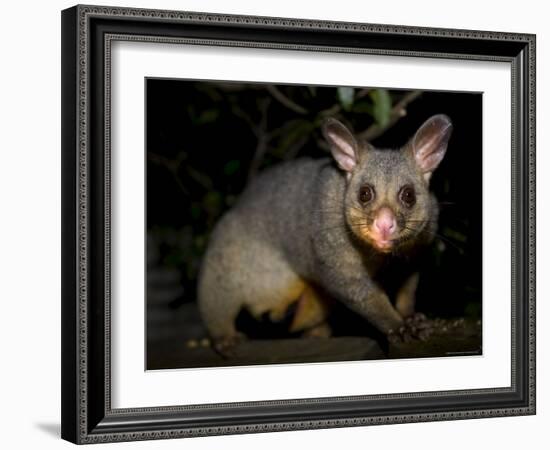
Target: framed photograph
column 282, row 224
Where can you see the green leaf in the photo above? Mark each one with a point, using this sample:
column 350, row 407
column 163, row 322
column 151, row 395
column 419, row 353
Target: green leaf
column 195, row 210
column 174, row 259
column 212, row 202
column 345, row 97
column 312, row 90
column 296, row 130
column 381, row 106
column 231, row 167
column 454, row 234
column 473, row 309
column 207, row 116
column 199, row 242
column 363, row 107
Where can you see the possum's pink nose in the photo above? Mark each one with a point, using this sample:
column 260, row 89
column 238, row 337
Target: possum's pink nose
column 384, row 224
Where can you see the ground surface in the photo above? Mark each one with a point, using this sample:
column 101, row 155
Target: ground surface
column 182, row 343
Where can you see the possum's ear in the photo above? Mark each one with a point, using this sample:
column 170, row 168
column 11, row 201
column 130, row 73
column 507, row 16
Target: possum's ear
column 343, row 145
column 429, row 144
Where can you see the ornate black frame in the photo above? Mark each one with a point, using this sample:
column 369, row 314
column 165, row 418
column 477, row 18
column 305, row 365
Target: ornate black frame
column 87, row 32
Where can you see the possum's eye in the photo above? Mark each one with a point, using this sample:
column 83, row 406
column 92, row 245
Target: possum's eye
column 407, row 196
column 366, row 194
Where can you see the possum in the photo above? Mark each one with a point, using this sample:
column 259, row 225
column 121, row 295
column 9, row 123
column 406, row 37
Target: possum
column 310, row 231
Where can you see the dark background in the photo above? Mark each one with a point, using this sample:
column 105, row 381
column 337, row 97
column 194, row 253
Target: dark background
column 206, row 140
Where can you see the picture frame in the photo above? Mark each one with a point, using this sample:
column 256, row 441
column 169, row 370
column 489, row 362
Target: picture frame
column 88, row 33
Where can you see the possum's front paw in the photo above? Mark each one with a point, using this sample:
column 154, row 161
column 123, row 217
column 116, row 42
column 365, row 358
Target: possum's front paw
column 415, row 327
column 225, row 346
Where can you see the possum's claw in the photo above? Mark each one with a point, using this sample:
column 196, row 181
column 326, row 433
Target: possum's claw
column 415, row 327
column 225, row 346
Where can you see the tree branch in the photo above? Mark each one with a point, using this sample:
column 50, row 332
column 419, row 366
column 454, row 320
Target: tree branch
column 171, row 165
column 397, row 112
column 284, row 100
column 263, row 138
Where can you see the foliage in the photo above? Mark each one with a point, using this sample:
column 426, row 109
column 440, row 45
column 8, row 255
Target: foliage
column 206, row 141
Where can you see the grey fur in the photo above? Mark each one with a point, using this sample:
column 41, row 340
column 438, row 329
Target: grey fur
column 302, row 221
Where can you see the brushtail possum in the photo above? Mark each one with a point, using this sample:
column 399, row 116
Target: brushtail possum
column 308, row 230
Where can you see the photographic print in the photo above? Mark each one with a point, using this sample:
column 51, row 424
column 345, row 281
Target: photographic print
column 313, row 200
column 304, row 223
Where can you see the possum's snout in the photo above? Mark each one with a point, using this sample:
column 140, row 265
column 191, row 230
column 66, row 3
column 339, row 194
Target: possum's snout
column 384, row 224
column 383, row 230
